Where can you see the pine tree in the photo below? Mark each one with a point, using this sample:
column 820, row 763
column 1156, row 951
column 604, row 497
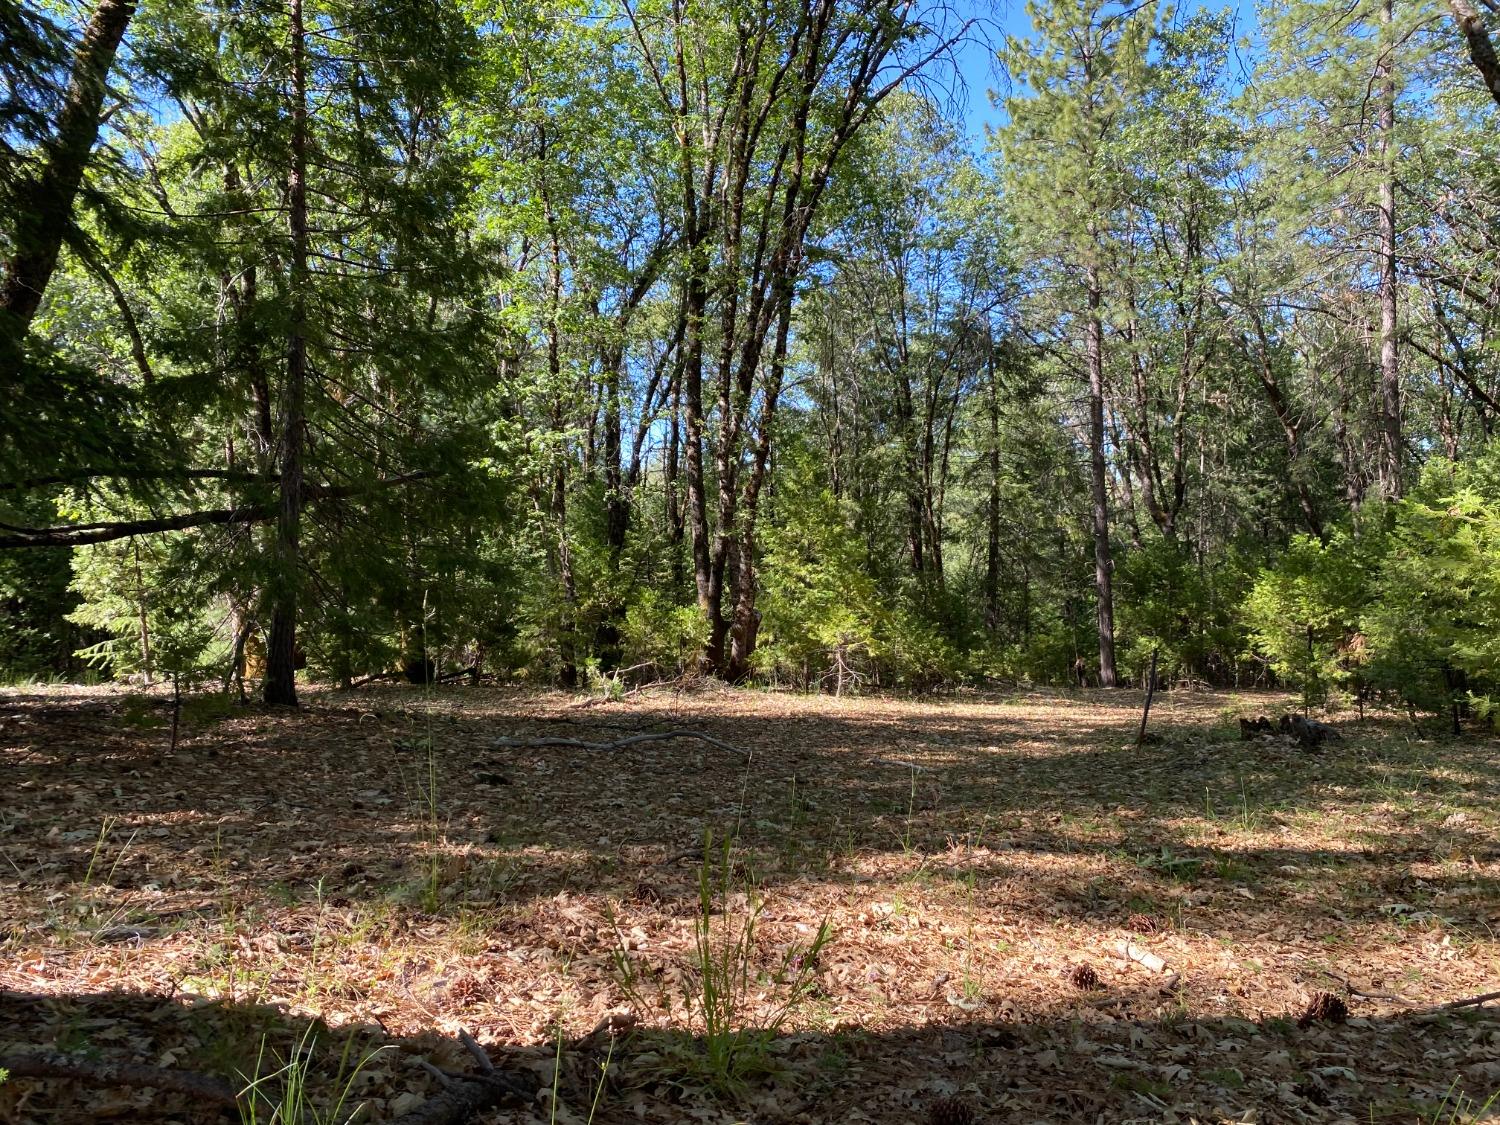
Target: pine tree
column 1063, row 179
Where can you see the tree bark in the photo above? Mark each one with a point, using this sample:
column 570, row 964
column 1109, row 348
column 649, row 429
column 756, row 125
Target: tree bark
column 746, row 626
column 1481, row 46
column 1103, row 560
column 1390, row 367
column 992, row 539
column 46, row 204
column 280, row 687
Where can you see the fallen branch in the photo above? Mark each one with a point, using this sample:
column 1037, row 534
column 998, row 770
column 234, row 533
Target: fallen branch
column 53, row 1064
column 1354, row 990
column 481, row 1056
column 463, row 1099
column 1470, row 1001
column 618, row 744
column 354, row 685
column 904, row 765
column 465, row 1096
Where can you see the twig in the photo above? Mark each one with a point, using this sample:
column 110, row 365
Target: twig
column 904, row 765
column 1354, row 990
column 619, row 744
column 1140, row 735
column 443, row 1077
column 53, row 1064
column 466, row 1096
column 481, row 1056
column 1470, row 1001
column 461, row 1101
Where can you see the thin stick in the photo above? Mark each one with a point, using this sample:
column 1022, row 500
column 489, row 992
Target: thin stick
column 481, row 1056
column 1471, row 1001
column 1140, row 735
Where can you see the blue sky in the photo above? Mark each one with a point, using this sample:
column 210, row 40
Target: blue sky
column 997, row 18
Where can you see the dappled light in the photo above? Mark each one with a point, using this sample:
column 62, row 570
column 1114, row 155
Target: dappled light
column 1023, row 906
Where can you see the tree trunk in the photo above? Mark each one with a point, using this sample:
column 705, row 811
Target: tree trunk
column 675, row 515
column 1481, row 46
column 746, row 625
column 1390, row 368
column 697, row 503
column 992, row 540
column 45, row 207
column 148, row 670
column 281, row 645
column 1103, row 562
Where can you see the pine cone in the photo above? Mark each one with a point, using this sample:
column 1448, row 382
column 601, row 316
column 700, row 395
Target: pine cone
column 646, row 894
column 951, row 1111
column 468, row 989
column 1084, row 978
column 1143, row 924
column 1324, row 1007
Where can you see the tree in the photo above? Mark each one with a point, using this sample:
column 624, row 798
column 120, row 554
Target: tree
column 1062, row 175
column 41, row 197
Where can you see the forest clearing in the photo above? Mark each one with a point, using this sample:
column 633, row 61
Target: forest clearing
column 749, row 561
column 380, row 861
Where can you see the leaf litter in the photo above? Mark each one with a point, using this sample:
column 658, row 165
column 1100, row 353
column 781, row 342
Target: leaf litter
column 394, row 867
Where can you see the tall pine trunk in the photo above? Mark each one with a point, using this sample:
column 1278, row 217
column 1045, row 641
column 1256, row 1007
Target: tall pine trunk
column 992, row 514
column 281, row 644
column 1390, row 367
column 1103, row 561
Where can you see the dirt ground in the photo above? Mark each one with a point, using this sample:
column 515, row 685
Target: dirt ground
column 1024, row 910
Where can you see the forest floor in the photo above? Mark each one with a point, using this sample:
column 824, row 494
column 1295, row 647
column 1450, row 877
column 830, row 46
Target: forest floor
column 377, row 871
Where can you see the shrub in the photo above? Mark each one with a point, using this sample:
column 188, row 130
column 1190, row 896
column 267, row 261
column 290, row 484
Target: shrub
column 1303, row 613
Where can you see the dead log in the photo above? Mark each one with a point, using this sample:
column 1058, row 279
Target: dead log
column 1307, row 733
column 54, row 1064
column 1251, row 729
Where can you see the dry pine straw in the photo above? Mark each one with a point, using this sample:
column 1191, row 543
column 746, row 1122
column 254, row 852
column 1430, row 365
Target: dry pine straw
column 378, row 862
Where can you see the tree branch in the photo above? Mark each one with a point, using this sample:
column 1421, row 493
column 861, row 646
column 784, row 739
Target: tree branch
column 119, row 473
column 250, row 513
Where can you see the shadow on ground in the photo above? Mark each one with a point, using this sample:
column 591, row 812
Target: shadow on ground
column 350, row 801
column 1086, row 1065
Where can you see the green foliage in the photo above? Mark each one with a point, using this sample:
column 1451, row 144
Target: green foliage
column 289, row 1094
column 498, row 437
column 662, row 632
column 821, row 616
column 1303, row 613
column 36, row 637
column 1433, row 622
column 736, row 1001
column 1185, row 610
column 157, row 607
